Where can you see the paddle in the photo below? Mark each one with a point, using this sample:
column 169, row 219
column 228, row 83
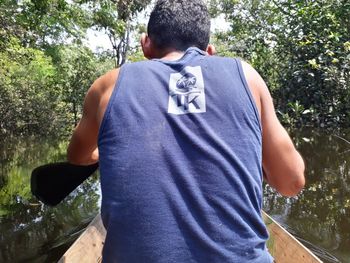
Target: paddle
column 51, row 183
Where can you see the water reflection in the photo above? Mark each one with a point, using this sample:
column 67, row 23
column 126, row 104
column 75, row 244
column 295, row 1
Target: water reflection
column 32, row 232
column 321, row 214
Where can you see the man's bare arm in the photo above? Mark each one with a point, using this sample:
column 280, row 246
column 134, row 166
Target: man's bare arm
column 283, row 165
column 82, row 148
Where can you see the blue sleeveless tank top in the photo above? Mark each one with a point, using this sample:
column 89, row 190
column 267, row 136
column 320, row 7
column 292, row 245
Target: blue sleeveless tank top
column 180, row 162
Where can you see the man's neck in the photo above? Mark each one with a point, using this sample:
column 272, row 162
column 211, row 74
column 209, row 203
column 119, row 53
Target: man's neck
column 173, row 55
column 169, row 54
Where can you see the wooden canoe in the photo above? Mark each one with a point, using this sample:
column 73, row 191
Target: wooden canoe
column 282, row 245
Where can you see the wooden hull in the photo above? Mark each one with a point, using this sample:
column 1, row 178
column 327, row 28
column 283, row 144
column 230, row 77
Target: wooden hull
column 282, row 245
column 88, row 247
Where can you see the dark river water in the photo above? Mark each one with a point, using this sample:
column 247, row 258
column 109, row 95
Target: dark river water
column 32, row 232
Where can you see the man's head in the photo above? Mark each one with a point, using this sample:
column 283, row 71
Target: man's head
column 179, row 24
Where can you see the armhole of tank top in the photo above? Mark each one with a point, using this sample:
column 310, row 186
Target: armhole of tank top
column 116, row 88
column 247, row 89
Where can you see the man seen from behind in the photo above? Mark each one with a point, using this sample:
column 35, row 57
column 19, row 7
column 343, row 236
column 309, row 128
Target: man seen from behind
column 182, row 140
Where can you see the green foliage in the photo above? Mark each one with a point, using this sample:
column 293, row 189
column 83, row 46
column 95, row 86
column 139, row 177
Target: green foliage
column 40, row 22
column 45, row 70
column 114, row 17
column 77, row 68
column 295, row 115
column 26, row 76
column 136, row 55
column 41, row 92
column 320, row 63
column 301, row 48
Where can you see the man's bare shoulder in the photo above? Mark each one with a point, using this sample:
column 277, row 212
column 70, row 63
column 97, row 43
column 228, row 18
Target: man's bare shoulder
column 105, row 82
column 256, row 84
column 255, row 81
column 98, row 95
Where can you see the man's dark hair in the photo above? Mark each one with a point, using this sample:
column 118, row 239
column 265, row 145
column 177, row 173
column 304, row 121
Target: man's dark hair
column 179, row 24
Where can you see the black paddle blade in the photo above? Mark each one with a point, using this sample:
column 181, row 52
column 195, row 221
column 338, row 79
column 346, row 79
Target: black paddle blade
column 51, row 183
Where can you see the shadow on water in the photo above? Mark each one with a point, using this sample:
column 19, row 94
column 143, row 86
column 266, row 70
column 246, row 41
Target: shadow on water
column 320, row 215
column 32, row 232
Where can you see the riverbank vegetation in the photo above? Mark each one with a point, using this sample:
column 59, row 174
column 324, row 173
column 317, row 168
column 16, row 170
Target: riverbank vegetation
column 301, row 48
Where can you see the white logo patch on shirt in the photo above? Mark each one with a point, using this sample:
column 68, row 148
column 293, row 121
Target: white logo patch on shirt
column 186, row 92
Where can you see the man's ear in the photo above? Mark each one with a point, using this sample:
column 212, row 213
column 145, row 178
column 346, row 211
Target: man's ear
column 211, row 50
column 146, row 46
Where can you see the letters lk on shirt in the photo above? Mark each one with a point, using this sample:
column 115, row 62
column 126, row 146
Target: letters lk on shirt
column 187, row 92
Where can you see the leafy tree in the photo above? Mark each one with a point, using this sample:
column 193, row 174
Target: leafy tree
column 301, row 48
column 77, row 68
column 43, row 78
column 27, row 102
column 316, row 43
column 39, row 23
column 114, row 17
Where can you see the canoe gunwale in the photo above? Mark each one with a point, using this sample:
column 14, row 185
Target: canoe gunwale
column 284, row 247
